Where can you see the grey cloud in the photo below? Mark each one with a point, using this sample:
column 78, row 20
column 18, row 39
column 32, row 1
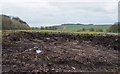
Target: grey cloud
column 49, row 13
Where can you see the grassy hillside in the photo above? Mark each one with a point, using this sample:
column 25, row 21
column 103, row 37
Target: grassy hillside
column 86, row 27
column 13, row 23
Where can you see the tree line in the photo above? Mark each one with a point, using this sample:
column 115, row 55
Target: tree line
column 13, row 23
column 45, row 28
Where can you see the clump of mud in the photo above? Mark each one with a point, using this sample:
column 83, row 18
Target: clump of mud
column 42, row 52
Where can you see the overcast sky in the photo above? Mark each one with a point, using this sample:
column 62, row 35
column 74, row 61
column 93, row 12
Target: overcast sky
column 53, row 12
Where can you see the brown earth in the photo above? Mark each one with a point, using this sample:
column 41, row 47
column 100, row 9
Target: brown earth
column 60, row 53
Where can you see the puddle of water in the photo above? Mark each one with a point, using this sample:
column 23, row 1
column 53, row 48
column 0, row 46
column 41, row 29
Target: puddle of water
column 48, row 38
column 38, row 51
column 28, row 50
column 35, row 47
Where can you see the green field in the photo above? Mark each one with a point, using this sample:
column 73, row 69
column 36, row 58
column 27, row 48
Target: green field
column 87, row 27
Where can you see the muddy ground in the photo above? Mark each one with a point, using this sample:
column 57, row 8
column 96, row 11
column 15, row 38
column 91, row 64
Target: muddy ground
column 42, row 52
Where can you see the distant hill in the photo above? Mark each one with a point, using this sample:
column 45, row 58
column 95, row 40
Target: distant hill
column 77, row 24
column 73, row 24
column 13, row 23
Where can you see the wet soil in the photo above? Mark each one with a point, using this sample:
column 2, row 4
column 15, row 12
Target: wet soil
column 60, row 53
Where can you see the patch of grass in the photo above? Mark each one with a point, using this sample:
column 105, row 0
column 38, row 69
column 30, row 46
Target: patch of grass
column 48, row 58
column 116, row 39
column 84, row 64
column 6, row 32
column 80, row 27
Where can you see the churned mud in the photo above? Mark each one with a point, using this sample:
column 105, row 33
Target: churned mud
column 42, row 52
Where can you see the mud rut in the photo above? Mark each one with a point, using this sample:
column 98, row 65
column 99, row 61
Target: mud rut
column 59, row 53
